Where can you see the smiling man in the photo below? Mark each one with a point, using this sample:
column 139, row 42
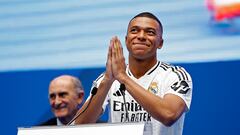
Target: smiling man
column 65, row 95
column 146, row 90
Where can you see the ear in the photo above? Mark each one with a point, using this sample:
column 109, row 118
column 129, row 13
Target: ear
column 125, row 39
column 160, row 44
column 80, row 97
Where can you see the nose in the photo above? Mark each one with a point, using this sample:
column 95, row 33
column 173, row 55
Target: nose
column 141, row 35
column 57, row 100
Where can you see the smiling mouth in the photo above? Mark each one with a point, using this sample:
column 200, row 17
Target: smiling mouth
column 144, row 44
column 59, row 107
column 60, row 110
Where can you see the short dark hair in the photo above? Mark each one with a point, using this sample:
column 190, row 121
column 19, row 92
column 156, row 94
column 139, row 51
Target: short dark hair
column 148, row 15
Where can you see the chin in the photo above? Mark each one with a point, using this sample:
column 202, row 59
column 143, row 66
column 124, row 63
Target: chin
column 61, row 114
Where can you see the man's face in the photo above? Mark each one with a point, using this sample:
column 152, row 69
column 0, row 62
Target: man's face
column 63, row 98
column 143, row 38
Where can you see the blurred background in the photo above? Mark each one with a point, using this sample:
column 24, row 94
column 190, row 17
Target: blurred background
column 41, row 39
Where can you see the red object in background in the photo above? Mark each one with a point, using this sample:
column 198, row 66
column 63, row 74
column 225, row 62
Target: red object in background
column 224, row 9
column 210, row 5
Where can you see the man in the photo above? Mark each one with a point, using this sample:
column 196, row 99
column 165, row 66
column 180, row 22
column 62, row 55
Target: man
column 156, row 93
column 65, row 95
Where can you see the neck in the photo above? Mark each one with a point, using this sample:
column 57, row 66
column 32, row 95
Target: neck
column 139, row 67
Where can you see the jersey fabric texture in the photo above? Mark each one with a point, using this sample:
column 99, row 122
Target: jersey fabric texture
column 160, row 80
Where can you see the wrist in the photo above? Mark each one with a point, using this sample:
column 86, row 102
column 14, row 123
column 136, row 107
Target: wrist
column 122, row 78
column 107, row 80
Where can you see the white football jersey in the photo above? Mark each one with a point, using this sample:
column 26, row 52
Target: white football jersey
column 161, row 79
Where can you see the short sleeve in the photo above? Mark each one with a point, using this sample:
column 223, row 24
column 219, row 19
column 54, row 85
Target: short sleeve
column 179, row 82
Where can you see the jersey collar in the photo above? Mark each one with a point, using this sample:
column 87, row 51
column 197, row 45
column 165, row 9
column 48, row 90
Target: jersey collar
column 147, row 73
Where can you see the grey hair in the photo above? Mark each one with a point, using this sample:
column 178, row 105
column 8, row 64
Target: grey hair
column 77, row 84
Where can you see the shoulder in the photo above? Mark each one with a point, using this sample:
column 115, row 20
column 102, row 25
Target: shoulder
column 174, row 78
column 52, row 121
column 177, row 81
column 174, row 71
column 100, row 76
column 99, row 79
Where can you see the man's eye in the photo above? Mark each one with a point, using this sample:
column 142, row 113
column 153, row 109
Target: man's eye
column 151, row 32
column 63, row 94
column 52, row 96
column 133, row 30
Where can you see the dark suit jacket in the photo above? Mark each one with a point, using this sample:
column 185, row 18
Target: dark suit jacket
column 53, row 121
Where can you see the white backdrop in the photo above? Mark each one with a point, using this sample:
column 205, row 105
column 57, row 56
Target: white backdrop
column 48, row 34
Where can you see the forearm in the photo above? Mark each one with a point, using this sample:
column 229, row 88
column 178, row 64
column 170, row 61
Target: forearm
column 95, row 107
column 162, row 109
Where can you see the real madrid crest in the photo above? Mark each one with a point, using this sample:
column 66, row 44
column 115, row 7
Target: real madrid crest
column 153, row 87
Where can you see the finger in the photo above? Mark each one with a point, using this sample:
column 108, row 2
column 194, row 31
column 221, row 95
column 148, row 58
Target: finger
column 120, row 49
column 114, row 48
column 117, row 48
column 108, row 63
column 112, row 42
column 115, row 43
column 110, row 50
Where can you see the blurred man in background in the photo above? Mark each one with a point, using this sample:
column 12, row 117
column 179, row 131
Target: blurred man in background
column 65, row 95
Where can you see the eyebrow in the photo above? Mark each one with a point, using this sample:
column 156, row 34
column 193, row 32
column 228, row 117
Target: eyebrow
column 57, row 93
column 151, row 28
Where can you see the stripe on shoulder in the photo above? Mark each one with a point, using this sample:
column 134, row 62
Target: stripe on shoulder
column 181, row 73
column 165, row 66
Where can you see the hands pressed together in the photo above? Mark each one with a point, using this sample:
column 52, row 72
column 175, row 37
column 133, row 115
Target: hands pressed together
column 115, row 66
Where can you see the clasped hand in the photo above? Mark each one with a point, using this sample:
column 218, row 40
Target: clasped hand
column 115, row 66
